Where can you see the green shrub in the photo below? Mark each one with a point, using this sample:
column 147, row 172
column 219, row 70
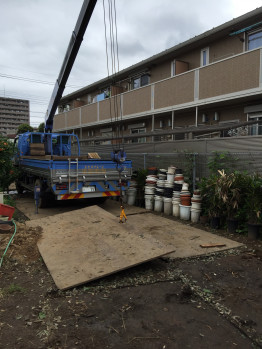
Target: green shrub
column 9, row 172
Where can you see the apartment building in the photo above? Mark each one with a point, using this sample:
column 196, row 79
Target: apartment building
column 13, row 112
column 192, row 90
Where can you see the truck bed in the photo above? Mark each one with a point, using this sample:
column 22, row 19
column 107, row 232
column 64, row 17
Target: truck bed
column 90, row 156
column 58, row 168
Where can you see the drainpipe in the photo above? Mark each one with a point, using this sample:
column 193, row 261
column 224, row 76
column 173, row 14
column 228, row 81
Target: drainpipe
column 172, row 121
column 153, row 126
column 196, row 115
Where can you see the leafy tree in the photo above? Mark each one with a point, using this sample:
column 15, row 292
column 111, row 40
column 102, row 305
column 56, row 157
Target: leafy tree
column 9, row 172
column 24, row 128
column 41, row 127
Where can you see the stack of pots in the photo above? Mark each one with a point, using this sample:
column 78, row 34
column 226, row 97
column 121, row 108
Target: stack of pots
column 168, row 191
column 179, row 178
column 162, row 174
column 196, row 206
column 171, row 174
column 178, row 183
column 185, row 206
column 160, row 187
column 176, row 202
column 131, row 193
column 150, row 188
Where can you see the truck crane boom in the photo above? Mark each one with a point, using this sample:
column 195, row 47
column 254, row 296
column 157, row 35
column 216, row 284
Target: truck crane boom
column 70, row 56
column 50, row 164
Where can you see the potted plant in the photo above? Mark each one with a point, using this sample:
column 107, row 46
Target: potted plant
column 253, row 204
column 211, row 200
column 229, row 190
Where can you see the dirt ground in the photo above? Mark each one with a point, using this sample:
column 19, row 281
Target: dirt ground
column 201, row 302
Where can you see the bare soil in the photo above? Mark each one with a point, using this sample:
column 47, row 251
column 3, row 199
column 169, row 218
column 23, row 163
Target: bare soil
column 213, row 301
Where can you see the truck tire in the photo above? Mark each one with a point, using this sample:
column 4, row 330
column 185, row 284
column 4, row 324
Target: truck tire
column 19, row 188
column 42, row 203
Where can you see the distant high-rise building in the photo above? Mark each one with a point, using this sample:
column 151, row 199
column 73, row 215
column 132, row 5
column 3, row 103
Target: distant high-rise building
column 13, row 112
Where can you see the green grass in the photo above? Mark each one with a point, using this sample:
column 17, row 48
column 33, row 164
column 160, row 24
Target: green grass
column 9, row 200
column 13, row 288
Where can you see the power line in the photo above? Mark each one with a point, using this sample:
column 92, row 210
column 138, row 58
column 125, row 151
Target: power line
column 21, row 78
column 19, row 95
column 31, row 71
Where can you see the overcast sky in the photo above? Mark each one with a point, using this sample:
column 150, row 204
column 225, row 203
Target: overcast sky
column 34, row 35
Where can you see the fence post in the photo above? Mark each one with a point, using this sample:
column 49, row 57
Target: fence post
column 144, row 161
column 194, row 171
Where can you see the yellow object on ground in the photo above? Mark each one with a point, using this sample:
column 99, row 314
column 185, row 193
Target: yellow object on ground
column 122, row 215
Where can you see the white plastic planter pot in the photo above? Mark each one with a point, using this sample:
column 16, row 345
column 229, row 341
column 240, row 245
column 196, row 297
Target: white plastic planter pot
column 167, row 206
column 158, row 204
column 185, row 212
column 195, row 214
column 131, row 196
column 176, row 209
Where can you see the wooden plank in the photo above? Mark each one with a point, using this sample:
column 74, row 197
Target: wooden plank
column 55, row 157
column 89, row 243
column 37, row 149
column 93, row 156
column 36, row 157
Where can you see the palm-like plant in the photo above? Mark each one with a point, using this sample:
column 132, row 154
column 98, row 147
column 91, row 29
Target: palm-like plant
column 253, row 199
column 228, row 190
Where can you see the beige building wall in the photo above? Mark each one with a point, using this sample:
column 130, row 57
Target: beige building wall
column 60, row 121
column 233, row 113
column 73, row 118
column 110, row 108
column 192, row 58
column 160, row 72
column 224, row 48
column 176, row 90
column 137, row 101
column 184, row 119
column 229, row 76
column 89, row 113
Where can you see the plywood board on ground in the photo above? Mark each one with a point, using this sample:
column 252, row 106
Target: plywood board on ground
column 185, row 238
column 89, row 243
column 113, row 206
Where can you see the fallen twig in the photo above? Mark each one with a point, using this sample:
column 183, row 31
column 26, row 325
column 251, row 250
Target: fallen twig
column 112, row 328
column 212, row 245
column 124, row 326
column 135, row 338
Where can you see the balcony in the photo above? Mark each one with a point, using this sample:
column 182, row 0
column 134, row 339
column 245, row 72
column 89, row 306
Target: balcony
column 231, row 78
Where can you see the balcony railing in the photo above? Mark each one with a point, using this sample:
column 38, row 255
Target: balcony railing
column 226, row 79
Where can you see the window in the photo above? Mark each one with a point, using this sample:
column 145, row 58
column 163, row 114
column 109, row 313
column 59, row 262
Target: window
column 137, row 131
column 255, row 129
column 255, row 40
column 144, row 80
column 173, row 68
column 204, row 57
column 141, row 81
column 136, row 83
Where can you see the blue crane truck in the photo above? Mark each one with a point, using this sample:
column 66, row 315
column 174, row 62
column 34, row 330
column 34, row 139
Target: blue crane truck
column 50, row 163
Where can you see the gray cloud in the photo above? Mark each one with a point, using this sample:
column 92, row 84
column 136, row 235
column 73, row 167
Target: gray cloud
column 35, row 35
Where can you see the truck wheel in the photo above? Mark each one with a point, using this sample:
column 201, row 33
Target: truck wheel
column 19, row 188
column 42, row 203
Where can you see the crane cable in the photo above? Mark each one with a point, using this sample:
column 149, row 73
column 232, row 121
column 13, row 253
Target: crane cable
column 115, row 69
column 114, row 56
